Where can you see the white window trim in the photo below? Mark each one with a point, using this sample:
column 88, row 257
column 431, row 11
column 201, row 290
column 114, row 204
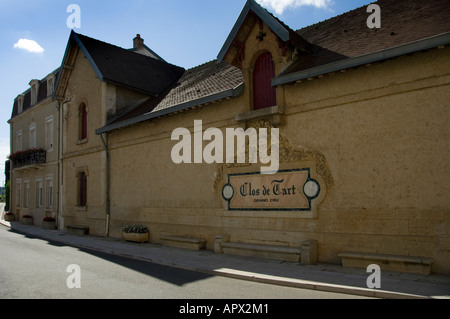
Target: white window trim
column 34, row 91
column 18, row 192
column 20, row 100
column 48, row 193
column 50, row 84
column 26, row 193
column 49, row 137
column 39, row 195
column 19, row 137
column 32, row 139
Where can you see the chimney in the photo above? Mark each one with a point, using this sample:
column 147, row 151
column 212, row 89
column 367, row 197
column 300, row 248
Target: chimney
column 138, row 43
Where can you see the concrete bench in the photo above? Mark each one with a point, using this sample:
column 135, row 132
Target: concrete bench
column 263, row 251
column 184, row 242
column 78, row 230
column 415, row 265
column 306, row 254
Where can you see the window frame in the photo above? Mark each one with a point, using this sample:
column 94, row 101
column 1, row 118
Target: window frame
column 49, row 133
column 83, row 123
column 32, row 135
column 19, row 141
column 39, row 193
column 49, row 192
column 82, row 189
column 26, row 197
column 18, row 193
column 262, row 82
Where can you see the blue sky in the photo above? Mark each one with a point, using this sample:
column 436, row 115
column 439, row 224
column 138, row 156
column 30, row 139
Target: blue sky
column 184, row 32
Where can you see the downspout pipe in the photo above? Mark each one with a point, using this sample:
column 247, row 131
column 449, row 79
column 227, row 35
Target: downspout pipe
column 59, row 160
column 60, row 107
column 107, row 181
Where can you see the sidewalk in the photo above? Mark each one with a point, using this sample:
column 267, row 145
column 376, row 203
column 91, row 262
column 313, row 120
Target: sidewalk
column 323, row 277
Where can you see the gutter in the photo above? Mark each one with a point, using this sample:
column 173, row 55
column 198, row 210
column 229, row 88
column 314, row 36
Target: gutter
column 420, row 45
column 177, row 108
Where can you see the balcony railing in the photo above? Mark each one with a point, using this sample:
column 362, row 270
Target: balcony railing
column 30, row 157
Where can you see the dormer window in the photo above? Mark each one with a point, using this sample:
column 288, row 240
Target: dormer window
column 264, row 94
column 50, row 84
column 20, row 99
column 34, row 91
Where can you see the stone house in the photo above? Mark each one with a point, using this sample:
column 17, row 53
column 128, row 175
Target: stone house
column 34, row 155
column 361, row 117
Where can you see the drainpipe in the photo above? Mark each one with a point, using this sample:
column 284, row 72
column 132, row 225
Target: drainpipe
column 60, row 107
column 107, row 181
column 59, row 161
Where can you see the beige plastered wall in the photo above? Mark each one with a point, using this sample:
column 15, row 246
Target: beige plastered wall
column 383, row 130
column 85, row 155
column 37, row 116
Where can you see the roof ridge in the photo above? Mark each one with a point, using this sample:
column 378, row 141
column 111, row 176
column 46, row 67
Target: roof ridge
column 101, row 41
column 125, row 50
column 333, row 18
column 201, row 65
column 54, row 72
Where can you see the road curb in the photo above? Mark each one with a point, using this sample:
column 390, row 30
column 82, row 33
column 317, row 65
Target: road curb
column 242, row 275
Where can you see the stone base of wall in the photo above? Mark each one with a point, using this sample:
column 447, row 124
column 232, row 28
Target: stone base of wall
column 415, row 265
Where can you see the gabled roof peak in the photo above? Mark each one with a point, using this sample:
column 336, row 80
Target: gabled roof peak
column 119, row 66
column 279, row 28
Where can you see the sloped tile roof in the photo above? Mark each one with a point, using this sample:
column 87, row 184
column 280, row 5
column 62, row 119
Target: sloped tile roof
column 209, row 78
column 336, row 39
column 42, row 95
column 347, row 35
column 130, row 69
column 199, row 82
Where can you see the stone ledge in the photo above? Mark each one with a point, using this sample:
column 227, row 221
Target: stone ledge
column 263, row 251
column 78, row 230
column 184, row 242
column 409, row 264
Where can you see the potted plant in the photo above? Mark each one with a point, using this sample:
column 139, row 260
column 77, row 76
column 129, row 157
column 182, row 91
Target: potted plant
column 49, row 223
column 27, row 220
column 136, row 233
column 10, row 217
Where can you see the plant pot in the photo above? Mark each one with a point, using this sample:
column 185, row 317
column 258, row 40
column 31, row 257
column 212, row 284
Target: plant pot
column 49, row 225
column 28, row 221
column 135, row 237
column 10, row 218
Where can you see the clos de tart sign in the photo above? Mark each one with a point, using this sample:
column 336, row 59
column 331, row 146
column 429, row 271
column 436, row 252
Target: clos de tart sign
column 290, row 190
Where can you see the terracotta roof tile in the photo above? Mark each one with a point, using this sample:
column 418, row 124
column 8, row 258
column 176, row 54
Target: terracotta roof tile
column 196, row 83
column 206, row 79
column 347, row 35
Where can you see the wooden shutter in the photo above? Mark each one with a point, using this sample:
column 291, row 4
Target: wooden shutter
column 264, row 94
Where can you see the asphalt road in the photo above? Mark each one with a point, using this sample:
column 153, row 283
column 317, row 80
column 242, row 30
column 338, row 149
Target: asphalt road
column 32, row 268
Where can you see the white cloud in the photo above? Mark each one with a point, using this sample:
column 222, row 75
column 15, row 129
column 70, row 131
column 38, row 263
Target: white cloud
column 280, row 5
column 28, row 45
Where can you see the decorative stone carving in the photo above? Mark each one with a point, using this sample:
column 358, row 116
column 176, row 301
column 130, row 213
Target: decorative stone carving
column 288, row 154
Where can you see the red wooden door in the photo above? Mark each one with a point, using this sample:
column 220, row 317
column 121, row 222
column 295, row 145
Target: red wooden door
column 264, row 94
